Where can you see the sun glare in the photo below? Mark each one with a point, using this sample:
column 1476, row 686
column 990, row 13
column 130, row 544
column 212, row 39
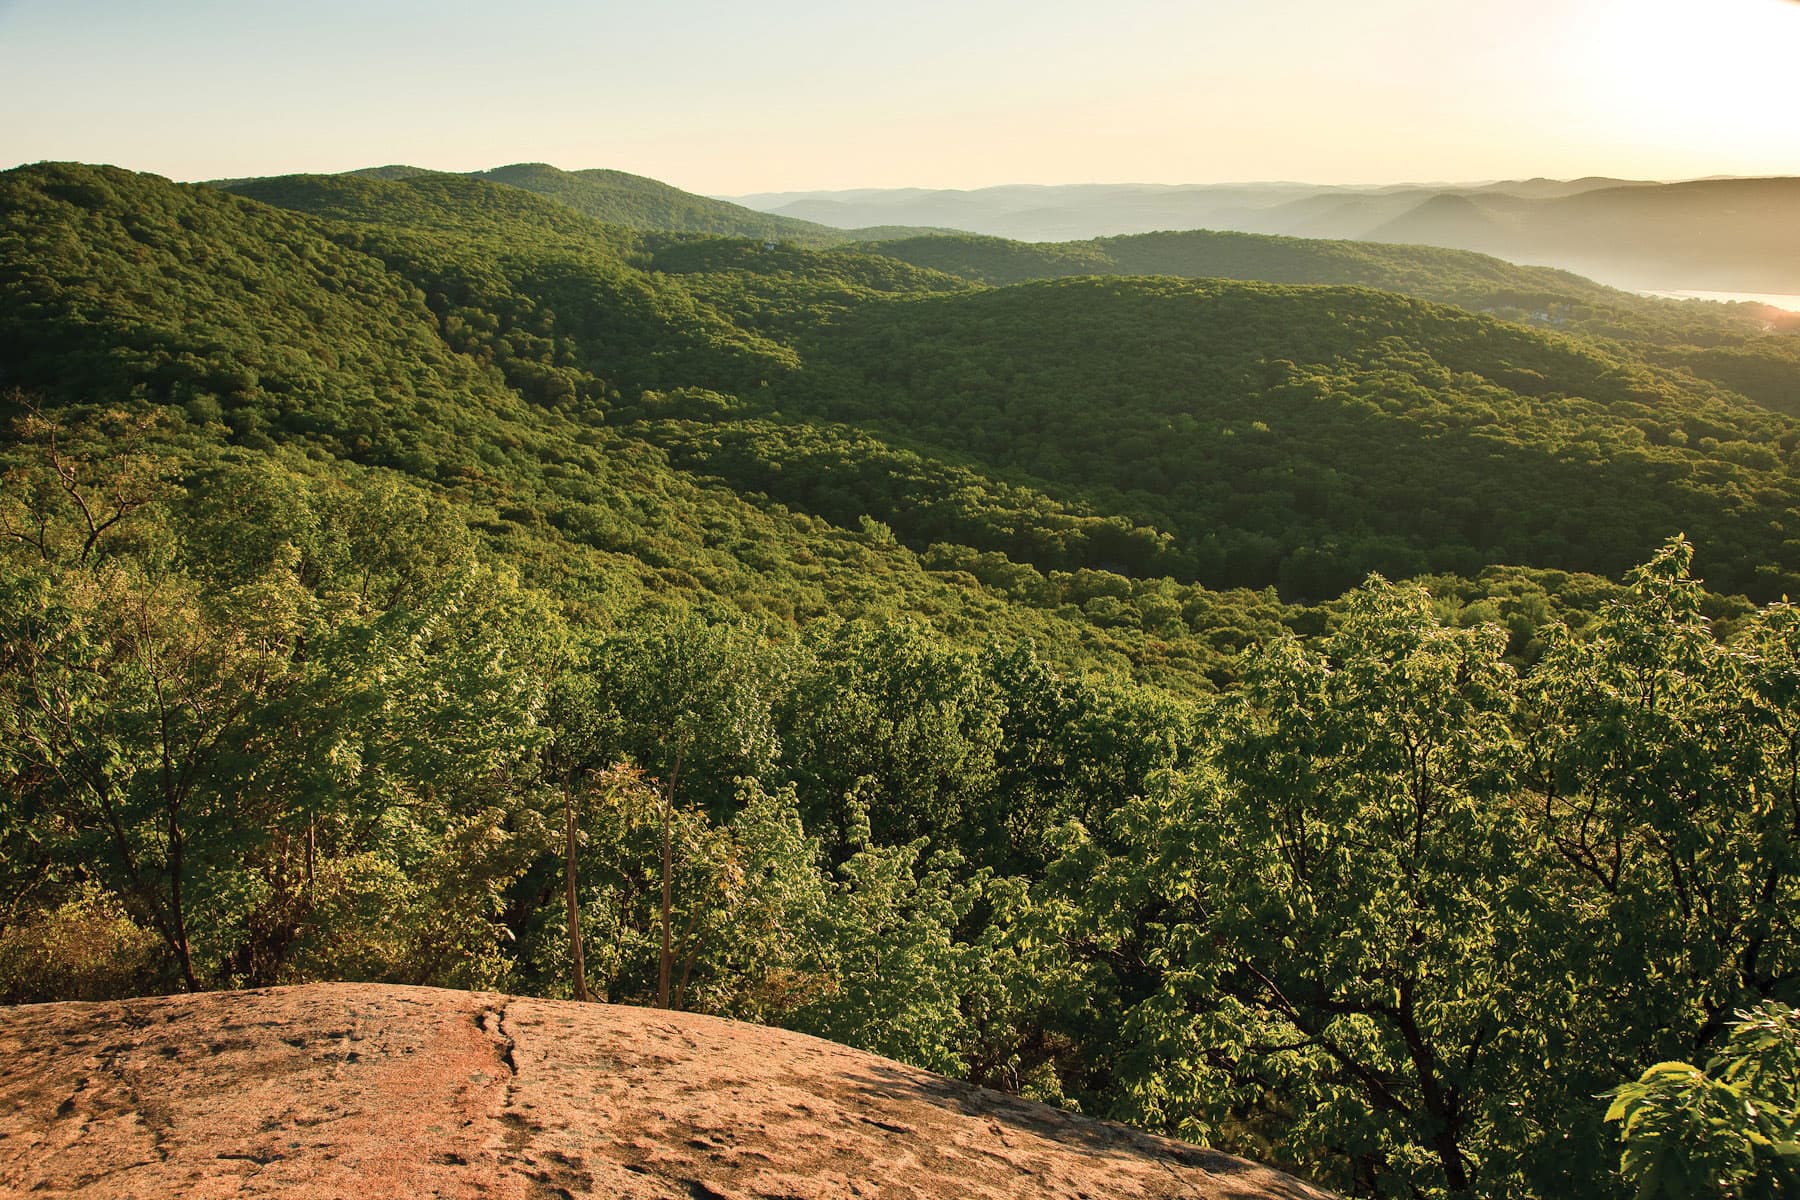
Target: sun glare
column 1678, row 80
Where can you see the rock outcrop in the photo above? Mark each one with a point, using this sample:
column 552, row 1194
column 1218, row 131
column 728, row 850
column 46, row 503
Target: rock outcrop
column 351, row 1090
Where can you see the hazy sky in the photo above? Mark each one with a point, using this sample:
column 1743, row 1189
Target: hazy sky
column 791, row 94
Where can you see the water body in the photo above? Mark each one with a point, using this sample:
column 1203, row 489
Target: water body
column 1781, row 300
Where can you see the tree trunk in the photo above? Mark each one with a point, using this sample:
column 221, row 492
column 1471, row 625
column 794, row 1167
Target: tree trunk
column 665, row 966
column 177, row 912
column 665, row 960
column 576, row 962
column 1442, row 1108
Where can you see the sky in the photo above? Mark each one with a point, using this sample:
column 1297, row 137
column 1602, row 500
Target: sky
column 732, row 98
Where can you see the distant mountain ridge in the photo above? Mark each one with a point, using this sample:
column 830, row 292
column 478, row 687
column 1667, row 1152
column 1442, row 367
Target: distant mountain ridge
column 1734, row 234
column 1104, row 210
column 1725, row 235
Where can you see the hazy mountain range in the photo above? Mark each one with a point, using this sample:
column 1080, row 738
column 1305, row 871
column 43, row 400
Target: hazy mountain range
column 1710, row 234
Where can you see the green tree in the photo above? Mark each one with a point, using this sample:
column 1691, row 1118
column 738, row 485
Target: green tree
column 126, row 697
column 1312, row 931
column 1660, row 766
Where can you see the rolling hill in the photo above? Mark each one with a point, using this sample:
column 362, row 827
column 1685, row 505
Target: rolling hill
column 1746, row 348
column 1275, row 432
column 611, row 197
column 1223, row 434
column 527, row 379
column 638, row 203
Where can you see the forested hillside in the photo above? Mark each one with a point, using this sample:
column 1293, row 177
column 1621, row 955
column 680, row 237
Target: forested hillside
column 414, row 578
column 1302, row 437
column 1750, row 349
column 252, row 332
column 613, row 197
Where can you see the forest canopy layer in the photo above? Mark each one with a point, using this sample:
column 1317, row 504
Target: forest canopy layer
column 1258, row 689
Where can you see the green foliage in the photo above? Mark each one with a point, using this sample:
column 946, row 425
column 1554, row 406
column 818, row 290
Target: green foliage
column 1731, row 1130
column 429, row 201
column 86, row 948
column 1328, row 905
column 897, row 971
column 694, row 699
column 206, row 740
column 1766, row 369
column 1256, row 435
column 898, row 729
column 408, row 357
column 1401, row 921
